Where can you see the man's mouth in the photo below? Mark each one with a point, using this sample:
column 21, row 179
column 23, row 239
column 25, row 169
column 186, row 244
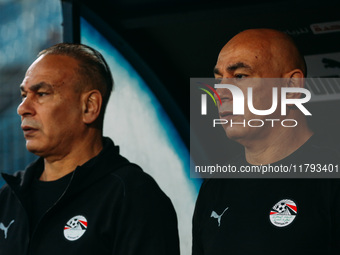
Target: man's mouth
column 226, row 115
column 28, row 130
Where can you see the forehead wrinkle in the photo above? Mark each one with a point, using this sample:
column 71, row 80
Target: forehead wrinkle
column 36, row 87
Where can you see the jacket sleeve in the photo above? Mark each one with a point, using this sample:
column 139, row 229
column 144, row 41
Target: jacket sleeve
column 197, row 248
column 148, row 222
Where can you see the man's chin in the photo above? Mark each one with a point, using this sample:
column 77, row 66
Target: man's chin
column 33, row 148
column 235, row 133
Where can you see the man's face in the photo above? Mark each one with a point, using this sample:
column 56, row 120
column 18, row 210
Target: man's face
column 51, row 108
column 238, row 61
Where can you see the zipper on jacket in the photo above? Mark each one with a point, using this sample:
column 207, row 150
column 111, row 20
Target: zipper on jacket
column 48, row 210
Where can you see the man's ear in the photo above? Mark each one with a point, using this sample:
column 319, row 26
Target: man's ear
column 294, row 79
column 92, row 102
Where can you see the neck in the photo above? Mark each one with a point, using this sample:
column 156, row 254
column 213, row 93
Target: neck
column 277, row 146
column 58, row 166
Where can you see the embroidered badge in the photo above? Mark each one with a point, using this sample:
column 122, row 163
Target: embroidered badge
column 4, row 228
column 75, row 228
column 283, row 213
column 218, row 217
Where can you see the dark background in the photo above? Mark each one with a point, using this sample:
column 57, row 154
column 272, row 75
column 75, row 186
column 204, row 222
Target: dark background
column 178, row 40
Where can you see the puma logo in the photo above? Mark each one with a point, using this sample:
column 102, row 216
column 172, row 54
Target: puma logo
column 2, row 227
column 218, row 217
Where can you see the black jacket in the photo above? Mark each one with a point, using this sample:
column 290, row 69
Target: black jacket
column 238, row 216
column 110, row 206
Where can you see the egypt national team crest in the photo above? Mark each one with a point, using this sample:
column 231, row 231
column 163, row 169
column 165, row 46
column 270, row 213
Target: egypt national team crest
column 75, row 228
column 283, row 213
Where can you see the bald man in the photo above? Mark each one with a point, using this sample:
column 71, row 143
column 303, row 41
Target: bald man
column 266, row 216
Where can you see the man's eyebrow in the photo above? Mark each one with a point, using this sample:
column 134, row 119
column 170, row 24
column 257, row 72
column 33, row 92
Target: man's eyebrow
column 216, row 70
column 36, row 87
column 232, row 67
column 237, row 65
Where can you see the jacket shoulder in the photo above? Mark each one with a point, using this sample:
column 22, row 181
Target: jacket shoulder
column 134, row 178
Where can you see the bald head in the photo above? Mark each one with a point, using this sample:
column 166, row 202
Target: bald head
column 270, row 52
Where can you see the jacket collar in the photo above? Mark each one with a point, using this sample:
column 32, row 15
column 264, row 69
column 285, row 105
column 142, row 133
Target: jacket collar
column 107, row 161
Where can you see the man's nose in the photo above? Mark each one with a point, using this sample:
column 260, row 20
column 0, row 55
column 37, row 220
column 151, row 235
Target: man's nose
column 26, row 107
column 225, row 94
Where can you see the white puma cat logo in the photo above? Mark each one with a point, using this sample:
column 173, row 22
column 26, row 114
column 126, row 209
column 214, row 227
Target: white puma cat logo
column 218, row 217
column 2, row 227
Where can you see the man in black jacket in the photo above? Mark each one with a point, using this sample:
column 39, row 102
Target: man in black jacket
column 267, row 216
column 80, row 196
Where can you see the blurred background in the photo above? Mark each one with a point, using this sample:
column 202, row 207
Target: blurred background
column 26, row 27
column 153, row 49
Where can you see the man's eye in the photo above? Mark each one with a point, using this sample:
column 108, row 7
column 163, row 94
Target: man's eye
column 240, row 76
column 41, row 94
column 218, row 80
